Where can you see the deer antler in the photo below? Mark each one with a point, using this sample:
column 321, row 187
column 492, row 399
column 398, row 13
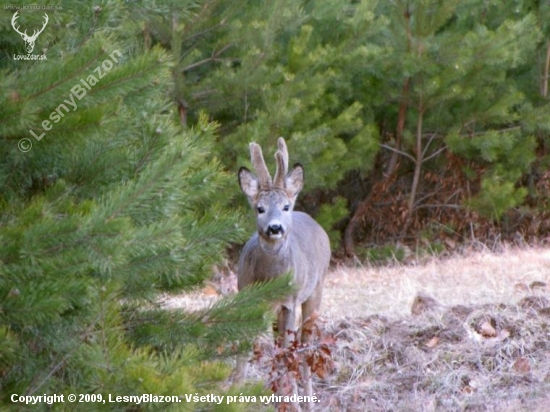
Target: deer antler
column 35, row 34
column 260, row 167
column 15, row 16
column 282, row 163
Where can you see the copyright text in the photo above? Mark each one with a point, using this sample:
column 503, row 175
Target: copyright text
column 150, row 398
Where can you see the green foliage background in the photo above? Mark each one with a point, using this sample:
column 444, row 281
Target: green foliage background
column 330, row 77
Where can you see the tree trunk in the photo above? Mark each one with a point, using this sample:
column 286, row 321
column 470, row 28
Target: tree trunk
column 391, row 168
column 401, row 115
column 418, row 162
column 546, row 74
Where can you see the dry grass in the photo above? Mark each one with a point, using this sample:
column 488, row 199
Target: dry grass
column 467, row 280
column 479, row 339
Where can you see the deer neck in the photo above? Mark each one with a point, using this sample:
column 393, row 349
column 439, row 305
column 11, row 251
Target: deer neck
column 278, row 249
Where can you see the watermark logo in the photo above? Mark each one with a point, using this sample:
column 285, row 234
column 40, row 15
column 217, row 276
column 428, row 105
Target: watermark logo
column 24, row 145
column 29, row 40
column 77, row 92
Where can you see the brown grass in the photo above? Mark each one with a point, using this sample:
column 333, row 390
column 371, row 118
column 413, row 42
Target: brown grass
column 479, row 339
column 477, row 278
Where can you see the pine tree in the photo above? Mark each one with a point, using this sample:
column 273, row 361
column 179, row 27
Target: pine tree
column 274, row 69
column 409, row 81
column 452, row 79
column 458, row 71
column 113, row 204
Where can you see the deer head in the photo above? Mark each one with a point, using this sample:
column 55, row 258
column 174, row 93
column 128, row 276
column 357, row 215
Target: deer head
column 272, row 200
column 29, row 40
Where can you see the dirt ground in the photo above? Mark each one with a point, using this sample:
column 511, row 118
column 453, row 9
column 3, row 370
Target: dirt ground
column 462, row 333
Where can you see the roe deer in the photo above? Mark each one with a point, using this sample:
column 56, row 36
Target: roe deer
column 285, row 241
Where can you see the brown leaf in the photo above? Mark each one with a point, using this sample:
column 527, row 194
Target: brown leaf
column 522, row 366
column 321, row 372
column 322, row 366
column 433, row 342
column 325, row 350
column 257, row 351
column 468, row 390
column 487, row 330
column 327, row 340
column 308, row 325
column 537, row 284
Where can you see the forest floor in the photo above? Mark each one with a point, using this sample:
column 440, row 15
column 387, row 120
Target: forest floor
column 462, row 333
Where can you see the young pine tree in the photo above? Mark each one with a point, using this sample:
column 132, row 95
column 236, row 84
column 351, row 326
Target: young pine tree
column 110, row 205
column 452, row 77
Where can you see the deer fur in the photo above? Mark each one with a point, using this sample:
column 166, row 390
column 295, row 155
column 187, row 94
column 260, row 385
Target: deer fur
column 285, row 241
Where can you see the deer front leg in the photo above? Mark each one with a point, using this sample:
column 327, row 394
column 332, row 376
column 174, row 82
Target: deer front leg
column 285, row 323
column 239, row 373
column 309, row 307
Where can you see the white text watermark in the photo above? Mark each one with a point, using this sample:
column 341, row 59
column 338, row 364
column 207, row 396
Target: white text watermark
column 148, row 398
column 77, row 92
column 33, row 6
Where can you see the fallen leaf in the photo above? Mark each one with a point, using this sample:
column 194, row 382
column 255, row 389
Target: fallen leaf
column 433, row 342
column 468, row 390
column 487, row 330
column 537, row 284
column 327, row 340
column 522, row 365
column 308, row 325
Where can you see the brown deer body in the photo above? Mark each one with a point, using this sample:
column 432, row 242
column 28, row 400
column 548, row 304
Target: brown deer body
column 285, row 241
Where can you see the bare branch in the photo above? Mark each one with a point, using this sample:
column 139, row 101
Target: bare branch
column 393, row 149
column 434, row 154
column 213, row 58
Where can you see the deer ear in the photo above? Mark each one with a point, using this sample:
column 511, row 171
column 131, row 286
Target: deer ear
column 294, row 180
column 249, row 183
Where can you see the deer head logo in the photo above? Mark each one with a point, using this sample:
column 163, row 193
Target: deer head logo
column 29, row 40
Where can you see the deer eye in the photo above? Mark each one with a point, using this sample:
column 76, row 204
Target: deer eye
column 286, row 208
column 260, row 210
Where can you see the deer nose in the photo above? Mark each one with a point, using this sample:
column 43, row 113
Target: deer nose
column 275, row 229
